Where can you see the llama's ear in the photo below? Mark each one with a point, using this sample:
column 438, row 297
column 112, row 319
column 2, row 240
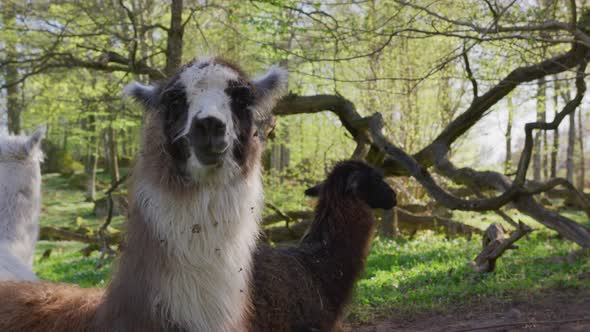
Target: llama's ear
column 145, row 94
column 269, row 88
column 35, row 140
column 314, row 191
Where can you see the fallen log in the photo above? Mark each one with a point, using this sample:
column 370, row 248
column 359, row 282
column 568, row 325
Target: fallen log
column 63, row 234
column 495, row 243
column 286, row 234
column 287, row 216
column 410, row 223
column 413, row 222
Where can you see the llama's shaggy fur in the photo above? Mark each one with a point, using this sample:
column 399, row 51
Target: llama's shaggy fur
column 192, row 226
column 306, row 288
column 20, row 204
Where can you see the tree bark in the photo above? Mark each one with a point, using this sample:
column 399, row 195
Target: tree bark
column 175, row 41
column 582, row 166
column 389, row 223
column 508, row 135
column 495, row 244
column 113, row 157
column 541, row 117
column 555, row 148
column 571, row 143
column 91, row 160
column 11, row 73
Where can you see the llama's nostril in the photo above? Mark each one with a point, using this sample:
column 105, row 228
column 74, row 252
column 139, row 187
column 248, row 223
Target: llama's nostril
column 210, row 126
column 219, row 148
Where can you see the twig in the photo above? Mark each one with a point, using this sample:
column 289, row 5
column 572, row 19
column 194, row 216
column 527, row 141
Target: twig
column 105, row 248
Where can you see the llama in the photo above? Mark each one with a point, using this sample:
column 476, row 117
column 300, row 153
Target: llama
column 20, row 204
column 306, row 288
column 195, row 201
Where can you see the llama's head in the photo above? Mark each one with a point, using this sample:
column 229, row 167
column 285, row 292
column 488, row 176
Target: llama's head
column 206, row 117
column 353, row 178
column 19, row 150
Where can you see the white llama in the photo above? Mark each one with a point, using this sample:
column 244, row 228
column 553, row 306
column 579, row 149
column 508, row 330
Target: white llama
column 20, row 204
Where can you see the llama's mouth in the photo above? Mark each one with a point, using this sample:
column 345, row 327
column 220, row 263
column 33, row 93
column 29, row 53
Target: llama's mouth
column 211, row 158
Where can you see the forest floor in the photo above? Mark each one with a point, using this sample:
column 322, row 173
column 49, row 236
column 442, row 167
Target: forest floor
column 555, row 310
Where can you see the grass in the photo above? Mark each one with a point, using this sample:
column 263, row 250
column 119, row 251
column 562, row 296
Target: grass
column 427, row 273
column 430, row 273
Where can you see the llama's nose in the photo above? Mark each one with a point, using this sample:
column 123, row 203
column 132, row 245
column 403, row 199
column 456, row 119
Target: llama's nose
column 209, row 139
column 214, row 129
column 211, row 125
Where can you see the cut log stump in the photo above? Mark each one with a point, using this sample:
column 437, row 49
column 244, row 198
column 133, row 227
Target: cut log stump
column 495, row 243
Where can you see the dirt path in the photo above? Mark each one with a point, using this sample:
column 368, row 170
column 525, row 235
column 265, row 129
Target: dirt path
column 554, row 311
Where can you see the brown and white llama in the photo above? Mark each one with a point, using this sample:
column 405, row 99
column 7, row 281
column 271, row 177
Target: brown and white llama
column 195, row 200
column 306, row 288
column 20, row 204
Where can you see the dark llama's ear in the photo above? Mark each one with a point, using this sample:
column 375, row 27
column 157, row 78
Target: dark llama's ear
column 145, row 94
column 268, row 89
column 35, row 139
column 314, row 191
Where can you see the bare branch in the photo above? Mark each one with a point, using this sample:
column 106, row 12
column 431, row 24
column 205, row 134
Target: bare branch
column 469, row 73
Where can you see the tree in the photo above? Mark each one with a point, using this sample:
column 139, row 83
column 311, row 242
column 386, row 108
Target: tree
column 508, row 135
column 411, row 49
column 539, row 157
column 555, row 146
column 10, row 71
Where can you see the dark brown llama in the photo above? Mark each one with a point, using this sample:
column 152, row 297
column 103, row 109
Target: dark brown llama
column 195, row 200
column 305, row 288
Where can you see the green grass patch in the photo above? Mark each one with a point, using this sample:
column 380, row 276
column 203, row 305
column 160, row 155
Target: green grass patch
column 67, row 207
column 430, row 273
column 67, row 264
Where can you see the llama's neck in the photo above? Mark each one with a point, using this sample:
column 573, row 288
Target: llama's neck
column 20, row 204
column 342, row 221
column 196, row 265
column 340, row 235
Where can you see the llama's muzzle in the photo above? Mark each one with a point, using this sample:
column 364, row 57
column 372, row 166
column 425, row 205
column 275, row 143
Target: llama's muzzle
column 209, row 140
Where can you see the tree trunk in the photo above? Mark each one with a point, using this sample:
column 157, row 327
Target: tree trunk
column 388, row 223
column 495, row 244
column 537, row 152
column 555, row 148
column 175, row 33
column 11, row 74
column 571, row 142
column 114, row 161
column 508, row 161
column 91, row 160
column 582, row 166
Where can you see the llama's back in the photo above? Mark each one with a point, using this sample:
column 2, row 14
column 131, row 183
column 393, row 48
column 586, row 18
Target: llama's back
column 33, row 307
